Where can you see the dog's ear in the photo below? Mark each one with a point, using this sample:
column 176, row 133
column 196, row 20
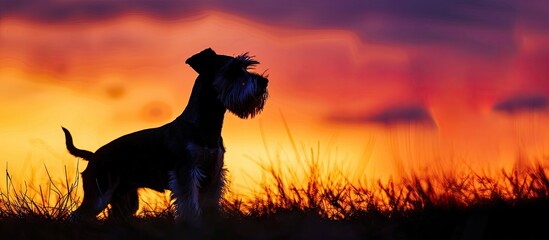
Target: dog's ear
column 202, row 61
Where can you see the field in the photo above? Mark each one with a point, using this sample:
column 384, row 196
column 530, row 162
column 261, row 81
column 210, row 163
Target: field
column 512, row 205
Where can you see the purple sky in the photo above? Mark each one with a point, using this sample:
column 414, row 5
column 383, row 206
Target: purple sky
column 481, row 26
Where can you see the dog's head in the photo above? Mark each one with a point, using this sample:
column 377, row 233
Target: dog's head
column 242, row 92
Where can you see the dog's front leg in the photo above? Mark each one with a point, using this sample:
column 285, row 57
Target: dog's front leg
column 185, row 184
column 211, row 194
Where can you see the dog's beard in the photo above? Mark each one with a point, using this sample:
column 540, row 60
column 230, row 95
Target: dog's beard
column 245, row 98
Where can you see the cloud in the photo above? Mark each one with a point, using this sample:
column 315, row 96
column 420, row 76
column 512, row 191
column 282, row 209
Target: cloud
column 55, row 11
column 522, row 103
column 391, row 116
column 484, row 26
column 156, row 111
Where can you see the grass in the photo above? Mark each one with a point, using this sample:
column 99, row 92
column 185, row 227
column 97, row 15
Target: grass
column 512, row 205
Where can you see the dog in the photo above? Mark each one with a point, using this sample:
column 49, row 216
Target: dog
column 184, row 156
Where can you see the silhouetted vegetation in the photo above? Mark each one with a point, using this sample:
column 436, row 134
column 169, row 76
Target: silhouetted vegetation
column 316, row 204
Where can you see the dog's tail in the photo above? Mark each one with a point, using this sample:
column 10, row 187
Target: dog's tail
column 84, row 154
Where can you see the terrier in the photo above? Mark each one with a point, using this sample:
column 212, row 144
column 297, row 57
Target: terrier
column 184, row 156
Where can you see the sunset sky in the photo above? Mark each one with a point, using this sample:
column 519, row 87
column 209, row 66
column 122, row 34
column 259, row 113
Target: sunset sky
column 382, row 86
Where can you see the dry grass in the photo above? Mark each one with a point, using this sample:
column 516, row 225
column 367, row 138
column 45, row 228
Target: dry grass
column 52, row 201
column 311, row 200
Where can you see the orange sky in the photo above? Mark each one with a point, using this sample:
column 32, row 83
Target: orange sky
column 103, row 79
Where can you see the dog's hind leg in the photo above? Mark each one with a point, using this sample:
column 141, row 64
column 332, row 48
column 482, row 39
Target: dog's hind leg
column 95, row 201
column 124, row 204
